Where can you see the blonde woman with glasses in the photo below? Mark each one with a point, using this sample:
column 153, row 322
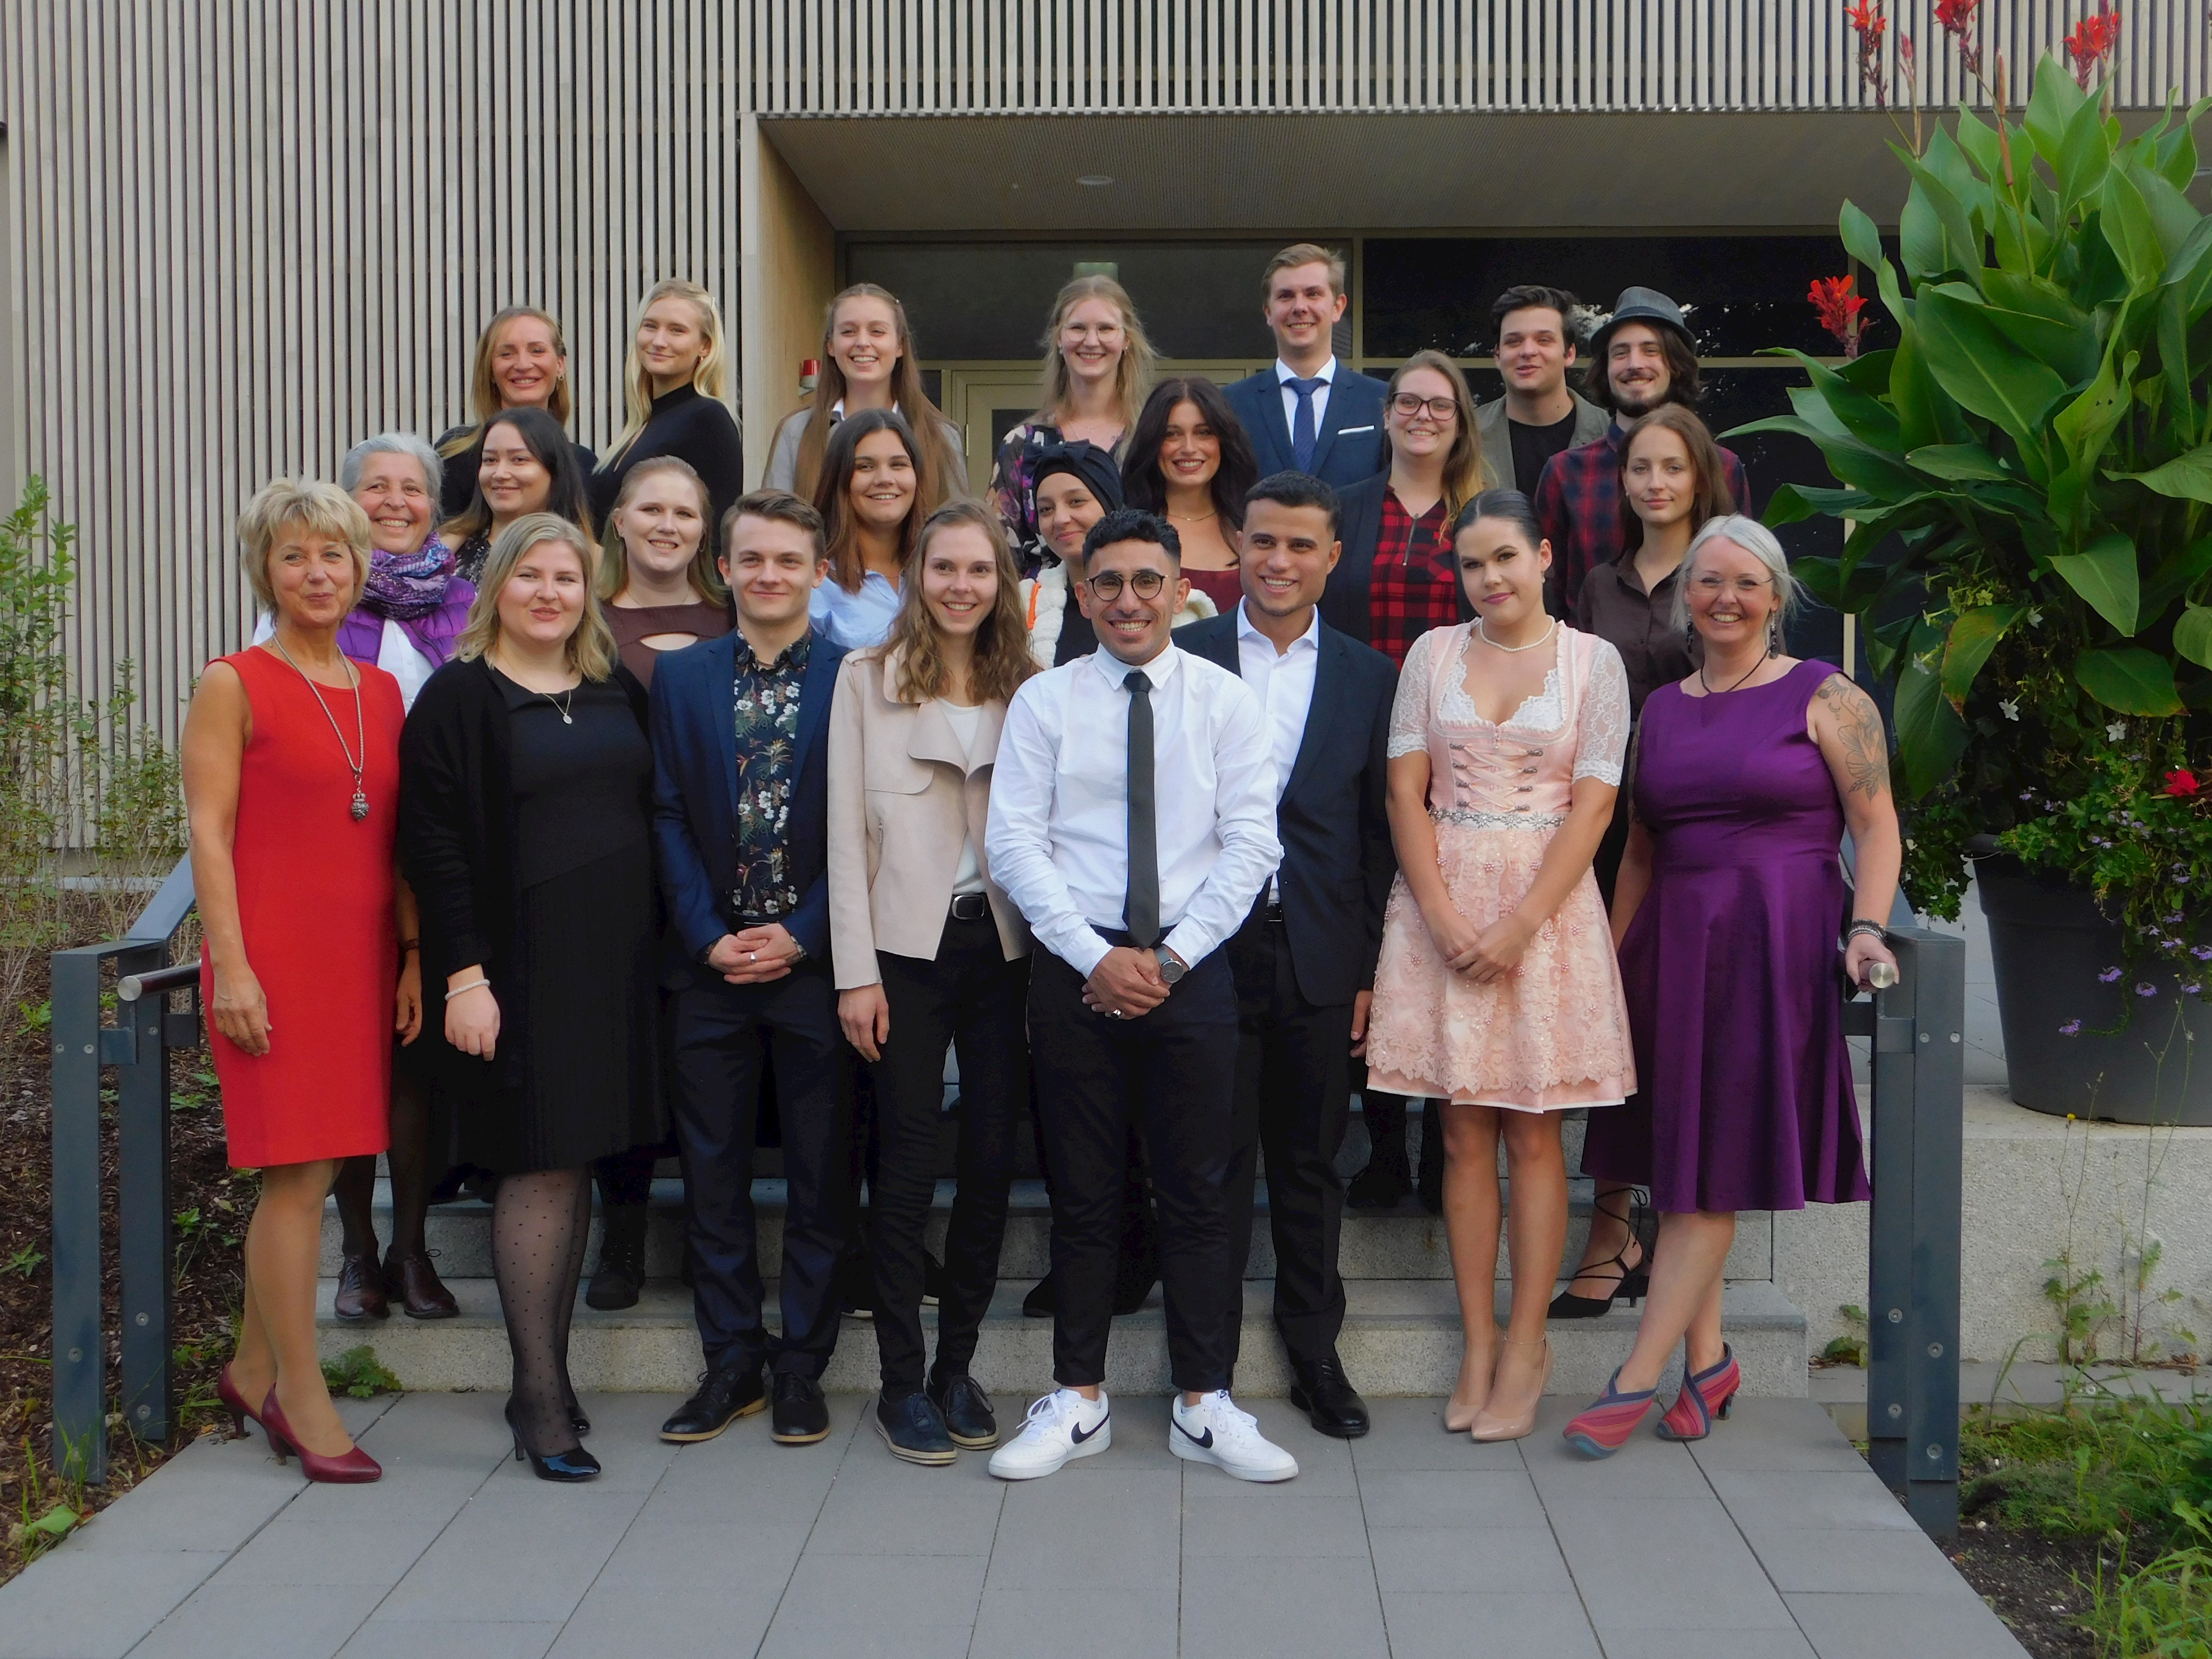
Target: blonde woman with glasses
column 674, row 382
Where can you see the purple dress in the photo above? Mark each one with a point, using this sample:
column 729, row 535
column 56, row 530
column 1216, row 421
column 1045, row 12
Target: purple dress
column 1730, row 964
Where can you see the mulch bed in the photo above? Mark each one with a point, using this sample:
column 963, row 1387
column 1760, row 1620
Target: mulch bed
column 212, row 1205
column 2038, row 1585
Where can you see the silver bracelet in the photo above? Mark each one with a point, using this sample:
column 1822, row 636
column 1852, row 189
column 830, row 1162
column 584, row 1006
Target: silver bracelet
column 474, row 984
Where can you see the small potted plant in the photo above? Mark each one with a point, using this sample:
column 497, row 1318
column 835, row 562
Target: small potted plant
column 2024, row 465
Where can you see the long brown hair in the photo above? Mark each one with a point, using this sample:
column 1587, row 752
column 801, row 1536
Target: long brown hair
column 1708, row 499
column 1002, row 659
column 1466, row 472
column 1132, row 376
column 907, row 395
column 483, row 390
column 614, row 557
column 840, row 531
column 1143, row 482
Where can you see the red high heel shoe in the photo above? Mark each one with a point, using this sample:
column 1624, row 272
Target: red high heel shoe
column 233, row 1402
column 352, row 1468
column 1705, row 1395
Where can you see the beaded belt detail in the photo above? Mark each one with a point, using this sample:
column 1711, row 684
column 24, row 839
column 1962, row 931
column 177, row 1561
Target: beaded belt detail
column 1473, row 820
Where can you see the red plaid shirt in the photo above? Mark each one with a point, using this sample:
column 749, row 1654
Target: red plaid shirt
column 1414, row 586
column 1578, row 504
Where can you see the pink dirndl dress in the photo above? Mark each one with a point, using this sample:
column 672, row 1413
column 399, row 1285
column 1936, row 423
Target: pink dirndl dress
column 1554, row 1033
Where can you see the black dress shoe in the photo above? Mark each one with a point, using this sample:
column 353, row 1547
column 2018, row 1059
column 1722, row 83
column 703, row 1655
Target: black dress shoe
column 911, row 1427
column 801, row 1415
column 967, row 1411
column 723, row 1395
column 1043, row 1300
column 1382, row 1185
column 1328, row 1398
column 621, row 1275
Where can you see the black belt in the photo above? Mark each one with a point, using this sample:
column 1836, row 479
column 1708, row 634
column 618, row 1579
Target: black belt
column 971, row 907
column 1273, row 912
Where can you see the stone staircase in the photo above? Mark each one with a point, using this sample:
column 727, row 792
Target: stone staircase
column 1401, row 1334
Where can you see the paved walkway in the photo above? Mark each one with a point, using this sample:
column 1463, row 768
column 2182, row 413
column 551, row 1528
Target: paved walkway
column 1773, row 1539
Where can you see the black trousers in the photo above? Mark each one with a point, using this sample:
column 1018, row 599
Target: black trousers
column 724, row 1035
column 972, row 997
column 1294, row 1099
column 1175, row 1070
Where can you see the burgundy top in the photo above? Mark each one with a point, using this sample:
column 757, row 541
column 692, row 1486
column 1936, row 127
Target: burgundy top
column 1224, row 587
column 634, row 624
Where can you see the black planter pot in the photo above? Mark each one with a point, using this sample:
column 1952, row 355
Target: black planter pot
column 2048, row 944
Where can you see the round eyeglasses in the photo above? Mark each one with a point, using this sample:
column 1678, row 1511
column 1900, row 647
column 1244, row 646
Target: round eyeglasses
column 1107, row 584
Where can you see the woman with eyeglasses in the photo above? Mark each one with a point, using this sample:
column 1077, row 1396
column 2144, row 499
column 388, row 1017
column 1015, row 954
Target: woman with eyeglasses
column 1726, row 915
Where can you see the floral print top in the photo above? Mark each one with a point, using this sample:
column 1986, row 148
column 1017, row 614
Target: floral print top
column 766, row 732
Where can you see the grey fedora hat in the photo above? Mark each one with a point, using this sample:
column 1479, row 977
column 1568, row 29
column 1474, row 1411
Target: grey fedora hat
column 1642, row 304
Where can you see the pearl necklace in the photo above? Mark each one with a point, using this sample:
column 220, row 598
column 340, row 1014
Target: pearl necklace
column 1531, row 645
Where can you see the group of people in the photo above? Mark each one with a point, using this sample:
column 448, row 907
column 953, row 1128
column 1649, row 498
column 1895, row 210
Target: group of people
column 1241, row 748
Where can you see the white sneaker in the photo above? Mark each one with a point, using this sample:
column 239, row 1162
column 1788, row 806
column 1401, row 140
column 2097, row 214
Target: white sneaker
column 1214, row 1432
column 1062, row 1426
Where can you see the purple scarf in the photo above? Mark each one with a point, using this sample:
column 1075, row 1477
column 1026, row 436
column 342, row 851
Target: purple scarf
column 419, row 591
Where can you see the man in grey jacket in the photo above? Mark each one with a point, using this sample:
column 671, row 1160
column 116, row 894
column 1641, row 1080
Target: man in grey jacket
column 1538, row 416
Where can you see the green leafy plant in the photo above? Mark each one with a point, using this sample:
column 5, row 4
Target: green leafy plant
column 2162, row 1609
column 2027, row 474
column 358, row 1374
column 24, row 1262
column 1850, row 1348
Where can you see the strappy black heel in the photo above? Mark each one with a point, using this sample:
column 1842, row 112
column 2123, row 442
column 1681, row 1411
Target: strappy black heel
column 1635, row 1282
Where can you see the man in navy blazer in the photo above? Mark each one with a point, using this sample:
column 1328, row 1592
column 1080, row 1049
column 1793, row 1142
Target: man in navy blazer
column 1306, row 412
column 1304, row 958
column 740, row 742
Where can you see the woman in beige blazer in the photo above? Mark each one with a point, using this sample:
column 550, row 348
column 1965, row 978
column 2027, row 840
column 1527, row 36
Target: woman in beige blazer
column 929, row 951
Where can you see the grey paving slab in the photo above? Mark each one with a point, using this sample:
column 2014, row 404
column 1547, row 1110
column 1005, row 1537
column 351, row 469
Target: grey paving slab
column 226, row 1619
column 706, row 1615
column 1234, row 1607
column 1094, row 1622
column 1723, row 1643
column 331, row 1552
column 1852, row 1559
column 213, row 1495
column 411, row 1638
column 1954, row 1622
column 77, row 1603
column 669, row 1556
column 1777, row 1434
column 1809, row 1499
column 1285, row 1530
column 1410, row 1434
column 1663, row 1564
column 1112, row 1530
column 1450, row 1498
column 1488, row 1559
column 548, row 1543
column 1467, row 1624
column 938, row 1518
column 808, row 1640
column 913, row 1590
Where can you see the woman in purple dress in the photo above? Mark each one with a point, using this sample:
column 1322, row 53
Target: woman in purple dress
column 1727, row 912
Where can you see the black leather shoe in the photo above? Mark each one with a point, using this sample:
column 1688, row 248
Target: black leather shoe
column 967, row 1411
column 361, row 1289
column 1382, row 1185
column 801, row 1415
column 913, row 1429
column 621, row 1276
column 1043, row 1300
column 724, row 1396
column 1328, row 1398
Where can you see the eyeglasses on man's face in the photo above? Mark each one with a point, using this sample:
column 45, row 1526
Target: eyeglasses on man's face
column 1713, row 586
column 1439, row 408
column 1107, row 584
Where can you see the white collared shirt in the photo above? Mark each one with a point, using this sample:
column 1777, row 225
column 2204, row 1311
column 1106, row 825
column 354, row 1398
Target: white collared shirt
column 1058, row 837
column 1284, row 374
column 1284, row 683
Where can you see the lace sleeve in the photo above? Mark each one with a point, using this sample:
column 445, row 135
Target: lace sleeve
column 1409, row 711
column 1602, row 730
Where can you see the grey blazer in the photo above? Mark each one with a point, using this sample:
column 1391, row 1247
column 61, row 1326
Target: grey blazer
column 1498, row 443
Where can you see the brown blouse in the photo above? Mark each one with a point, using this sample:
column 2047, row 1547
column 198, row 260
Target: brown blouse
column 634, row 624
column 1613, row 606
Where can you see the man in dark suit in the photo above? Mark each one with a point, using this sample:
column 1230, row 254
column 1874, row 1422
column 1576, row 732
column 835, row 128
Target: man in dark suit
column 1306, row 412
column 741, row 821
column 1305, row 958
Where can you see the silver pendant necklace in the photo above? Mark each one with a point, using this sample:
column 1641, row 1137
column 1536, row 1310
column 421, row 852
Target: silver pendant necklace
column 360, row 724
column 562, row 707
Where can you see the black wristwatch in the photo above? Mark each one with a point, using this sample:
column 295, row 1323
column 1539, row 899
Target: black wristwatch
column 1171, row 965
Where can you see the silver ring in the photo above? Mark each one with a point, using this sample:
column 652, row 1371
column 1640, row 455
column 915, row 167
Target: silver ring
column 752, row 956
column 1114, row 1013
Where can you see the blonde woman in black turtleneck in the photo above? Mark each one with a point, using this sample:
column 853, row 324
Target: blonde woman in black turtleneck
column 673, row 384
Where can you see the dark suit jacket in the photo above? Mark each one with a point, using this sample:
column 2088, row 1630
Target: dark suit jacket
column 1332, row 818
column 694, row 791
column 1340, row 456
column 1344, row 605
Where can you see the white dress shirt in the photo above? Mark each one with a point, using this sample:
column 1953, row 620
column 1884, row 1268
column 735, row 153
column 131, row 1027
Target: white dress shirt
column 1284, row 374
column 1058, row 837
column 1283, row 682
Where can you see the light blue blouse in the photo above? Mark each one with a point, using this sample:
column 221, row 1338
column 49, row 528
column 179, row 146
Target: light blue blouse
column 855, row 621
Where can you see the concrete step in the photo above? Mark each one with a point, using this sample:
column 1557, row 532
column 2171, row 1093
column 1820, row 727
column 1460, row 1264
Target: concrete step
column 1407, row 1242
column 1401, row 1337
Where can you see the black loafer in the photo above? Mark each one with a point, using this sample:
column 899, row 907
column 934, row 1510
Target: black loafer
column 911, row 1427
column 966, row 1410
column 1327, row 1397
column 724, row 1396
column 802, row 1415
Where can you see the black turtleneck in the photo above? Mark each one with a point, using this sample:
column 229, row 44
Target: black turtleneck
column 693, row 428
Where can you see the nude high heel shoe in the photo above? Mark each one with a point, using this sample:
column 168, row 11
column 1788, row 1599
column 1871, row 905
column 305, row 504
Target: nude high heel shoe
column 1502, row 1418
column 1459, row 1415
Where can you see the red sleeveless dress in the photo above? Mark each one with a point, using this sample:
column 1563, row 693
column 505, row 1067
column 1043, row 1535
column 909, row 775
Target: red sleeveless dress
column 315, row 895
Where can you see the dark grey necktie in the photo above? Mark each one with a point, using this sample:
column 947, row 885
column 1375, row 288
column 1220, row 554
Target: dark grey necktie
column 1142, row 912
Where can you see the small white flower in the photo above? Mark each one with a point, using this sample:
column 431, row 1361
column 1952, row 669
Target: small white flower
column 2011, row 708
column 2117, row 730
column 2034, row 616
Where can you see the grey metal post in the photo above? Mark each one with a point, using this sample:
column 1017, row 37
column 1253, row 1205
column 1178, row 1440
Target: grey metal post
column 143, row 1209
column 80, row 1442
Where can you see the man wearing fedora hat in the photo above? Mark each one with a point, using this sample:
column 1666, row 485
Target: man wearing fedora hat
column 1641, row 357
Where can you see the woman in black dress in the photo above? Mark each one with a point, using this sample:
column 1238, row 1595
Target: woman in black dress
column 673, row 383
column 525, row 775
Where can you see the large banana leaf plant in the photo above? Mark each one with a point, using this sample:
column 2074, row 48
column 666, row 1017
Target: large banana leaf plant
column 2027, row 477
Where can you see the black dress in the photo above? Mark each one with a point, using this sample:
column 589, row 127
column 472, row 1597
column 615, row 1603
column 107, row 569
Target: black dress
column 693, row 428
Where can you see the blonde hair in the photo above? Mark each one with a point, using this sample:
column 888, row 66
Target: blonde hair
column 1132, row 377
column 1304, row 254
column 614, row 557
column 1466, row 473
column 483, row 389
column 590, row 648
column 319, row 508
column 710, row 379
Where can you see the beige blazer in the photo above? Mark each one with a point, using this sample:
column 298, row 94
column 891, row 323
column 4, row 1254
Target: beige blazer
column 902, row 796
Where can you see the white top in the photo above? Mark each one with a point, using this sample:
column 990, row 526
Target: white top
column 1601, row 722
column 1059, row 828
column 396, row 654
column 1284, row 374
column 966, row 722
column 1283, row 682
column 855, row 621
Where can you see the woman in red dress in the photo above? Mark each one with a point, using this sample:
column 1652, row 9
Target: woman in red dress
column 291, row 762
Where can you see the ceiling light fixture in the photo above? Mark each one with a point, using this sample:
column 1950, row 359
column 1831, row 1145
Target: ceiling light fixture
column 1095, row 180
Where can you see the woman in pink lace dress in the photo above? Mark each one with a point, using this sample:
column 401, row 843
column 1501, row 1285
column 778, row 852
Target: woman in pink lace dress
column 1497, row 994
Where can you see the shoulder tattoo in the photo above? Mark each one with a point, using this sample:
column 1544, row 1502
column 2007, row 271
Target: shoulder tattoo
column 1865, row 748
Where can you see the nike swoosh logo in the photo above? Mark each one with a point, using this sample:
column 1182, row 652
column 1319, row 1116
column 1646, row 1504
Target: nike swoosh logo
column 1203, row 1442
column 1077, row 1434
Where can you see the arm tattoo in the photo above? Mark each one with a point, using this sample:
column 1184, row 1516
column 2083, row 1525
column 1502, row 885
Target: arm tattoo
column 1859, row 731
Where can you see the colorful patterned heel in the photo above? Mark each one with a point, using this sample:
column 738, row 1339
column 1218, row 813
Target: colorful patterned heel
column 1603, row 1429
column 1705, row 1395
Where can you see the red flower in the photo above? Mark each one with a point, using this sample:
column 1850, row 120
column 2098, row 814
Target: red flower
column 1956, row 18
column 2183, row 782
column 1840, row 309
column 2092, row 42
column 1870, row 25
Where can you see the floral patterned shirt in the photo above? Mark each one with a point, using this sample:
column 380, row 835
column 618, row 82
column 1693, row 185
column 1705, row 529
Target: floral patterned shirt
column 766, row 732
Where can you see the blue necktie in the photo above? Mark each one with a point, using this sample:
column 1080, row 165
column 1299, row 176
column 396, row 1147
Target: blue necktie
column 1303, row 437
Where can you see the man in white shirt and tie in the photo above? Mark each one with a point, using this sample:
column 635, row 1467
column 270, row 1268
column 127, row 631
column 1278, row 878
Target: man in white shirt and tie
column 1133, row 818
column 1307, row 412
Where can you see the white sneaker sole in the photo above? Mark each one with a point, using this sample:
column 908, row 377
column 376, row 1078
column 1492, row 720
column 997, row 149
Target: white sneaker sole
column 1026, row 1471
column 1191, row 1452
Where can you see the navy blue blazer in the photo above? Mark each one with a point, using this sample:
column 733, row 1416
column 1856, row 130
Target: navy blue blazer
column 1351, row 445
column 1332, row 818
column 694, row 791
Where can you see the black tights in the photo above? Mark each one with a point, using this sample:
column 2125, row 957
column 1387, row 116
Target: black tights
column 539, row 1223
column 408, row 1159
